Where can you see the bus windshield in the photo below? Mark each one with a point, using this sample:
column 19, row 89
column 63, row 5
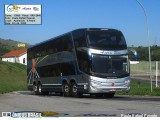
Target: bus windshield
column 110, row 66
column 106, row 40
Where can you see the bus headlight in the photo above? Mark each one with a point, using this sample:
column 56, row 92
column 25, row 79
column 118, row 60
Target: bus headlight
column 127, row 81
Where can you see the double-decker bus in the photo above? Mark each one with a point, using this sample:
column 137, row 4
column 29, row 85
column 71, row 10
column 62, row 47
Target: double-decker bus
column 84, row 61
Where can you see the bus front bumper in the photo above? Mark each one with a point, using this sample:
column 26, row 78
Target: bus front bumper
column 100, row 85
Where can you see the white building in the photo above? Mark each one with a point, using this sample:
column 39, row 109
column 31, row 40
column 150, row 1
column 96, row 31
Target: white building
column 16, row 56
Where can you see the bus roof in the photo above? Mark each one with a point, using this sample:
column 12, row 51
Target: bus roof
column 84, row 29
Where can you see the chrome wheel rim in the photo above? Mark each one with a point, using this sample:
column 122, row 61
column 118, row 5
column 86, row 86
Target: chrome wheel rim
column 34, row 88
column 66, row 88
column 40, row 89
column 74, row 88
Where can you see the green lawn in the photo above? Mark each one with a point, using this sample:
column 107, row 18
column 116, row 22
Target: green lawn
column 142, row 68
column 142, row 89
column 12, row 77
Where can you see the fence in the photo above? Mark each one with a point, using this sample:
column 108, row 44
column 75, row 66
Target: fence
column 141, row 71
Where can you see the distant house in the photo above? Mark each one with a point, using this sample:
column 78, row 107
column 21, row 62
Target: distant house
column 16, row 56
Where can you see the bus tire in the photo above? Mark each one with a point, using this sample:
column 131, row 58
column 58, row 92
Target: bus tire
column 35, row 89
column 66, row 89
column 74, row 90
column 109, row 95
column 40, row 91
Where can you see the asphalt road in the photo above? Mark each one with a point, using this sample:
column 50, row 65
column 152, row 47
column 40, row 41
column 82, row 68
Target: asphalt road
column 85, row 106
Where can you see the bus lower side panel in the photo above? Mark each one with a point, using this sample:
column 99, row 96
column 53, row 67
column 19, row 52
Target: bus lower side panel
column 49, row 88
column 58, row 88
column 52, row 88
column 81, row 89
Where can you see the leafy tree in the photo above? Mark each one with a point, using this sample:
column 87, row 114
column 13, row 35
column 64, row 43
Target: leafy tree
column 143, row 53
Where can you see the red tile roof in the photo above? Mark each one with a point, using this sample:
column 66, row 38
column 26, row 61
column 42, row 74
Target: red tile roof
column 14, row 53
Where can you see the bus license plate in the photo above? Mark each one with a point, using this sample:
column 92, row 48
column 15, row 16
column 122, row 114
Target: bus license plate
column 113, row 89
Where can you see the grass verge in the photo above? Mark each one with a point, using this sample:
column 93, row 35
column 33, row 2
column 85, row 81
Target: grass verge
column 141, row 89
column 12, row 77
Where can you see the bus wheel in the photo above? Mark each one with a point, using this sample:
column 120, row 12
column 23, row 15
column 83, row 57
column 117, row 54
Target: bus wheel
column 39, row 87
column 109, row 95
column 35, row 89
column 66, row 90
column 74, row 90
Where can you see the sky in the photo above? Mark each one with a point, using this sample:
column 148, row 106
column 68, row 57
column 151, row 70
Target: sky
column 61, row 16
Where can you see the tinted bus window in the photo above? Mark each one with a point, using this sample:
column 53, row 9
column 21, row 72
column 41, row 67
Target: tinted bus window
column 110, row 40
column 50, row 70
column 79, row 38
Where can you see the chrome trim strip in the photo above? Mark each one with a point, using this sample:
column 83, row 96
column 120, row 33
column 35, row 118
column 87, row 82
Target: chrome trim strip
column 108, row 52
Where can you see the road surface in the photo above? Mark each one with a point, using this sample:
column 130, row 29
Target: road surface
column 86, row 106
